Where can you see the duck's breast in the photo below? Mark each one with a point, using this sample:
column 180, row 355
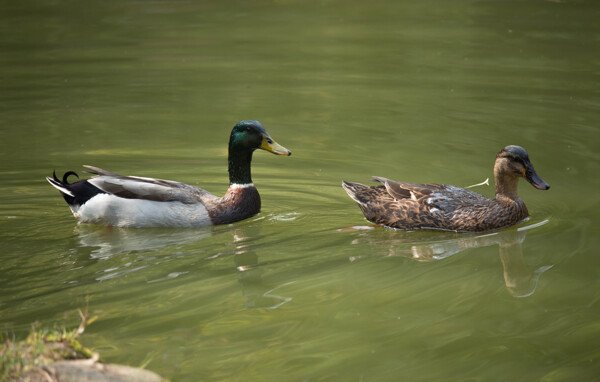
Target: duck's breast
column 239, row 203
column 489, row 216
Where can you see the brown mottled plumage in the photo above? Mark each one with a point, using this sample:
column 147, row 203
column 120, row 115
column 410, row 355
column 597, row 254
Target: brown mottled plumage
column 412, row 206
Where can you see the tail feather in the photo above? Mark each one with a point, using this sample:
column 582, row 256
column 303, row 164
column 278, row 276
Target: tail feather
column 354, row 190
column 76, row 193
column 61, row 186
column 66, row 176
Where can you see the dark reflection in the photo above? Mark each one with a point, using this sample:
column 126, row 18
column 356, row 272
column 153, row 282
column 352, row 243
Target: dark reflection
column 250, row 272
column 253, row 286
column 519, row 279
column 108, row 242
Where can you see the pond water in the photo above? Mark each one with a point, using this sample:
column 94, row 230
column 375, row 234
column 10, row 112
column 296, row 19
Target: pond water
column 307, row 290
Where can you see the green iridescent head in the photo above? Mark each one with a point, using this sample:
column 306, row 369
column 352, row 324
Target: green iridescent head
column 251, row 135
column 246, row 137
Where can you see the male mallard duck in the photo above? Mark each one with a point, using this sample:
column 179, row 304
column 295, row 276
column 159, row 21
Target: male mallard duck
column 130, row 201
column 437, row 206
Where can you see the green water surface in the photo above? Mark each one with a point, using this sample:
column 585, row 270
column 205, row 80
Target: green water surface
column 308, row 290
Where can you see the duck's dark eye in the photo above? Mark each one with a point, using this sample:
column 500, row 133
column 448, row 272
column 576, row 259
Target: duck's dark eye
column 269, row 141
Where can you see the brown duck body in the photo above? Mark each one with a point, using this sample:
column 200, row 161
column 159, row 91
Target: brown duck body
column 413, row 206
column 434, row 206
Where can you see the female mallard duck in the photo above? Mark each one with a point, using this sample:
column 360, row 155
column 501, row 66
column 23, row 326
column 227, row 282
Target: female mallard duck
column 437, row 206
column 130, row 201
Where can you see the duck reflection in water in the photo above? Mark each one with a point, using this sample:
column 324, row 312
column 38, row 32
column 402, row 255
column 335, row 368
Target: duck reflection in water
column 113, row 241
column 250, row 276
column 519, row 279
column 150, row 243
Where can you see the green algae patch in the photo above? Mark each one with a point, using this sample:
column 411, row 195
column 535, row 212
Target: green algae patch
column 38, row 349
column 58, row 356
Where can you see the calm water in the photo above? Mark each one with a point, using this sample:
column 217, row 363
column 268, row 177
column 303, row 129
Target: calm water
column 424, row 91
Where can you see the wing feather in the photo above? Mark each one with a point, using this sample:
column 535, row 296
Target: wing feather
column 438, row 197
column 159, row 190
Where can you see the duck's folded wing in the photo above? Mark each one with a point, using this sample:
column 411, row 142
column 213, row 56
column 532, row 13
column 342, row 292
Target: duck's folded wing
column 405, row 190
column 438, row 197
column 159, row 190
column 450, row 199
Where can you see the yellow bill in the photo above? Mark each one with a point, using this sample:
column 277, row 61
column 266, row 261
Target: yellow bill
column 271, row 146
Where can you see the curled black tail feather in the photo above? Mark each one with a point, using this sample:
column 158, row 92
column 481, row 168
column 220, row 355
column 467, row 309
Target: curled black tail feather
column 76, row 193
column 65, row 178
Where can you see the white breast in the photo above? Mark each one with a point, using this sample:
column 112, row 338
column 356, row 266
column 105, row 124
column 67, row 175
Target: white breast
column 110, row 210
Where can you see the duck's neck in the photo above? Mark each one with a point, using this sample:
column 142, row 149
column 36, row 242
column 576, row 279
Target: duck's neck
column 506, row 185
column 239, row 167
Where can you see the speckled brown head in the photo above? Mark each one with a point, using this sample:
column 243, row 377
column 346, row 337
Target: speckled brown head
column 512, row 163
